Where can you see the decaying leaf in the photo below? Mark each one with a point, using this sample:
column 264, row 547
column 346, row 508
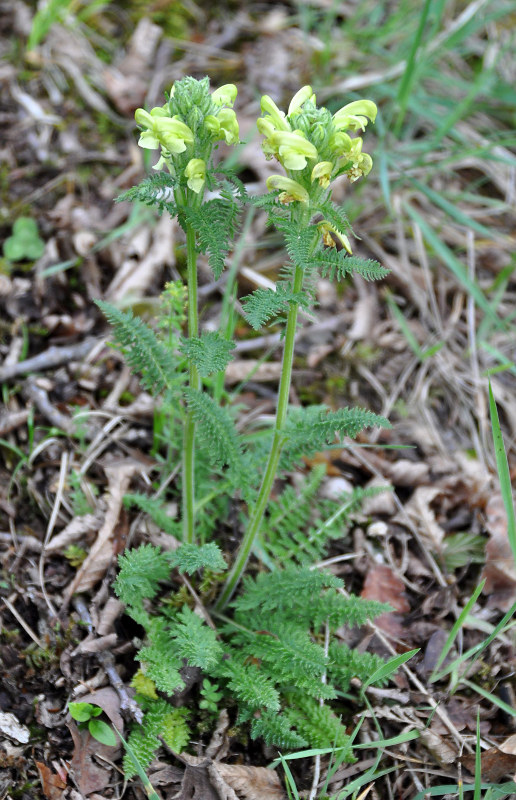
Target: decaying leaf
column 382, row 584
column 89, row 775
column 51, row 783
column 500, row 568
column 101, row 554
column 438, row 746
column 250, row 783
column 9, row 726
column 495, row 764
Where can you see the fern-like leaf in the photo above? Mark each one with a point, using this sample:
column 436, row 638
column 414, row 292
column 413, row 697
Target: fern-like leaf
column 346, row 664
column 250, row 686
column 160, row 720
column 276, row 729
column 283, row 589
column 266, row 304
column 142, row 349
column 317, row 724
column 300, row 524
column 215, row 224
column 162, row 662
column 155, row 190
column 209, row 353
column 312, row 429
column 156, row 512
column 194, row 641
column 141, row 570
column 192, row 557
column 217, row 430
column 336, row 265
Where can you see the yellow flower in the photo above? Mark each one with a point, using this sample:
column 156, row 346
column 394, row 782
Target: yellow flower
column 196, row 173
column 292, row 190
column 361, row 163
column 229, row 125
column 299, row 98
column 327, row 230
column 293, row 149
column 354, row 116
column 275, row 116
column 322, row 172
column 169, row 132
column 225, row 95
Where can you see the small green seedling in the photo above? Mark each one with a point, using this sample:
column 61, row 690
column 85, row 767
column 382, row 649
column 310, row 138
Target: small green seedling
column 86, row 715
column 25, row 243
column 210, row 695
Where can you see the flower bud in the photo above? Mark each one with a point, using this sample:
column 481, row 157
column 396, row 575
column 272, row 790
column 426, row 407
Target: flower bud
column 195, row 172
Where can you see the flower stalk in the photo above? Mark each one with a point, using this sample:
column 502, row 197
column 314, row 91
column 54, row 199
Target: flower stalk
column 313, row 148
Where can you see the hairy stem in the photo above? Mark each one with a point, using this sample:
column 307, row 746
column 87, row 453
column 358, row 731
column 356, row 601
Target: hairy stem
column 272, row 464
column 194, row 383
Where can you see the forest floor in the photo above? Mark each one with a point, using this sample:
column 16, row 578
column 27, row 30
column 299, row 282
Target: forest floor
column 439, row 210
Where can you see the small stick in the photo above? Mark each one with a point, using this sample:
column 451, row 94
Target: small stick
column 53, row 357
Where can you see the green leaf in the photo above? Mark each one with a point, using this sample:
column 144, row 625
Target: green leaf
column 143, row 351
column 141, row 570
column 217, row 429
column 195, row 641
column 82, row 712
column 191, row 557
column 267, row 304
column 102, row 732
column 389, row 668
column 504, row 476
column 210, row 353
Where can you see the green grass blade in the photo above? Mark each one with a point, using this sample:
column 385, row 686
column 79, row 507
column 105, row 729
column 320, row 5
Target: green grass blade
column 387, row 669
column 149, row 790
column 477, row 649
column 409, row 76
column 456, row 628
column 454, row 265
column 503, row 473
column 491, row 697
column 451, row 209
column 478, row 763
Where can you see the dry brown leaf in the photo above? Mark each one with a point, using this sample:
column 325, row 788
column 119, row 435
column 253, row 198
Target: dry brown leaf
column 500, row 568
column 509, row 746
column 88, row 774
column 495, row 764
column 138, row 272
column 75, row 530
column 51, row 783
column 250, row 783
column 438, row 747
column 418, row 508
column 383, row 585
column 101, row 554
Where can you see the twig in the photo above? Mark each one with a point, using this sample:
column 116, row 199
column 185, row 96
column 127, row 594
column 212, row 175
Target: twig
column 51, row 523
column 39, row 397
column 107, row 661
column 53, row 357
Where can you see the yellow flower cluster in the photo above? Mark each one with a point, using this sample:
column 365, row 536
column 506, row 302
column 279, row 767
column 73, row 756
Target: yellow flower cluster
column 313, row 147
column 186, row 139
column 335, row 152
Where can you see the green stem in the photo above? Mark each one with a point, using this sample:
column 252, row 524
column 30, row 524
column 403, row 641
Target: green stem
column 272, row 465
column 194, row 383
